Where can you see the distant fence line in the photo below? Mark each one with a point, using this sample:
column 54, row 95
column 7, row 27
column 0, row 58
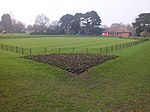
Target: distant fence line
column 105, row 50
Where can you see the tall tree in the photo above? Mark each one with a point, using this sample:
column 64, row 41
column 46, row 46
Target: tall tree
column 65, row 22
column 41, row 23
column 75, row 23
column 142, row 23
column 93, row 21
column 81, row 23
column 90, row 22
column 6, row 22
column 18, row 27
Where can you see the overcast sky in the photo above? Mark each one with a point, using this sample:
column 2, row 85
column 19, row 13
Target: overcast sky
column 110, row 11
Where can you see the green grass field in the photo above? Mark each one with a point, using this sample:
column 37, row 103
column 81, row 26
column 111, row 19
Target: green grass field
column 25, row 35
column 66, row 44
column 119, row 85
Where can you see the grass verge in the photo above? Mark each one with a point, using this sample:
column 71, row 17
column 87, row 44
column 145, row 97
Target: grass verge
column 119, row 85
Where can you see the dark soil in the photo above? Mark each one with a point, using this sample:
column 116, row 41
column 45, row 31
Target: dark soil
column 74, row 63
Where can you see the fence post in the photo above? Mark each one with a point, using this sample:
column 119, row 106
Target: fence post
column 59, row 50
column 22, row 51
column 86, row 50
column 16, row 49
column 100, row 50
column 45, row 50
column 30, row 51
column 106, row 50
column 116, row 47
column 6, row 47
column 2, row 47
column 11, row 48
column 73, row 50
column 120, row 46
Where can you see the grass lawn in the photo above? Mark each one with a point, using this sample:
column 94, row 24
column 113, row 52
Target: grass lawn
column 26, row 35
column 66, row 44
column 12, row 35
column 122, row 84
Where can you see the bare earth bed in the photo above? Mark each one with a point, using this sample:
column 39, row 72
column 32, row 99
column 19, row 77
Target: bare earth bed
column 74, row 63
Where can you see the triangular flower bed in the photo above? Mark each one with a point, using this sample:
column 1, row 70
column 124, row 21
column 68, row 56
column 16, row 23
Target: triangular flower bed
column 74, row 63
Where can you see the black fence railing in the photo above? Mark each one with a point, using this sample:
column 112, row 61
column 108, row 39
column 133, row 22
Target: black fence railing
column 105, row 50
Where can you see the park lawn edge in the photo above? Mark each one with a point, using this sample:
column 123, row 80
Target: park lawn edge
column 119, row 85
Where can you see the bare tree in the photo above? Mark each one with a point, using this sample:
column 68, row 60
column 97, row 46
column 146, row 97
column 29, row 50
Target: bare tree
column 41, row 22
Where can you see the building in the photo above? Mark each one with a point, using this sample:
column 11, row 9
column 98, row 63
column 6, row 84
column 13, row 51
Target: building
column 117, row 32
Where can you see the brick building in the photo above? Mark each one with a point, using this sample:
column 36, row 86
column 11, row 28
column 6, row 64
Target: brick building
column 117, row 32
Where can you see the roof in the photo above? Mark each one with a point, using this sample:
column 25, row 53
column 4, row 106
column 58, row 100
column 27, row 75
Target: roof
column 117, row 29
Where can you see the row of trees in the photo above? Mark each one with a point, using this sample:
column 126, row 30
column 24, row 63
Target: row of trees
column 88, row 23
column 8, row 24
column 42, row 26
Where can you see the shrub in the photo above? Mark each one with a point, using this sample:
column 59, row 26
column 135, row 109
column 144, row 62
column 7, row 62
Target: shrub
column 145, row 34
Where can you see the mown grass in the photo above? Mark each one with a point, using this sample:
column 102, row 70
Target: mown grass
column 120, row 85
column 13, row 35
column 65, row 44
column 26, row 35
